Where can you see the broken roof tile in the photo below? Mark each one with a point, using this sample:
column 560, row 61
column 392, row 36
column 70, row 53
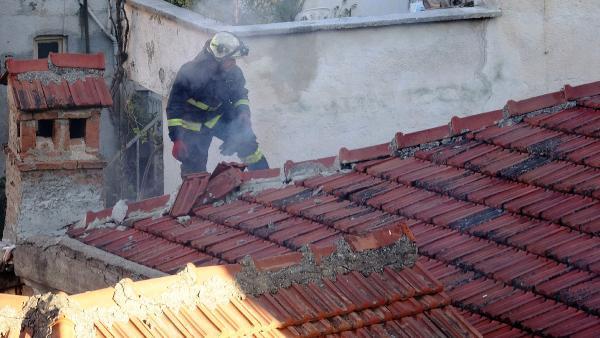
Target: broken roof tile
column 191, row 189
column 310, row 167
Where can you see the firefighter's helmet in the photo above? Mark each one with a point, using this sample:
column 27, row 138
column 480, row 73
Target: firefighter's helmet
column 227, row 45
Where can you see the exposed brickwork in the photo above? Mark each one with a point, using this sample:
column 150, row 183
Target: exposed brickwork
column 92, row 133
column 27, row 139
column 61, row 135
column 13, row 193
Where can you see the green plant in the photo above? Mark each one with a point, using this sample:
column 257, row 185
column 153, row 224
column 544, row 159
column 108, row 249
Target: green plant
column 267, row 11
column 181, row 3
column 343, row 10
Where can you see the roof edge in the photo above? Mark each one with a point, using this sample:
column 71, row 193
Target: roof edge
column 581, row 91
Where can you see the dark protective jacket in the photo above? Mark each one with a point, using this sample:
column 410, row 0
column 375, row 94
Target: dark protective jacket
column 202, row 96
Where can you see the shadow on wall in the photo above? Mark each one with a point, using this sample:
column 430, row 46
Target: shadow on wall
column 2, row 203
column 136, row 170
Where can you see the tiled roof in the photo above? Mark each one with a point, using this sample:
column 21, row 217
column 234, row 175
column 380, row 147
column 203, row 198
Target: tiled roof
column 226, row 300
column 504, row 207
column 273, row 229
column 63, row 81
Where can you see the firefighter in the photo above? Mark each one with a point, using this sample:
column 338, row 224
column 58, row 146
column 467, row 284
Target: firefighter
column 209, row 99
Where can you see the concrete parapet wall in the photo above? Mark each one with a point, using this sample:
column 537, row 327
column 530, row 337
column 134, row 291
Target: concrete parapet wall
column 321, row 85
column 62, row 263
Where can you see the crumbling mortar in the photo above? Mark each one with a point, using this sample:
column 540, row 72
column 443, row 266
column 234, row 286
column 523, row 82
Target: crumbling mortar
column 509, row 121
column 41, row 312
column 306, row 170
column 403, row 253
column 58, row 74
column 410, row 151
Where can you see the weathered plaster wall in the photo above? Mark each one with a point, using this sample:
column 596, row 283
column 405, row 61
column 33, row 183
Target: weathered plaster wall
column 315, row 92
column 22, row 20
column 44, row 202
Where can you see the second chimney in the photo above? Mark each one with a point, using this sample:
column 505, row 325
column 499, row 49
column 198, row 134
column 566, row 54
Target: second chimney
column 53, row 164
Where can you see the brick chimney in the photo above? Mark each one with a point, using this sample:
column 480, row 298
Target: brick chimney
column 53, row 164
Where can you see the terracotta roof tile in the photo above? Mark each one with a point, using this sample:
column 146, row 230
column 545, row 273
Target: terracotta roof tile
column 65, row 60
column 191, row 189
column 36, row 88
column 504, row 212
column 14, row 66
column 388, row 302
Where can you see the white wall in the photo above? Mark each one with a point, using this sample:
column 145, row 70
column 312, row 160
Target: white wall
column 315, row 92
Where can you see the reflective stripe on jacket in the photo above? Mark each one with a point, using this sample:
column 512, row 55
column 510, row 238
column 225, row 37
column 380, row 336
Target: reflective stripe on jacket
column 203, row 96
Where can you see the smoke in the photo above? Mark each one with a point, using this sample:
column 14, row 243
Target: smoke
column 247, row 12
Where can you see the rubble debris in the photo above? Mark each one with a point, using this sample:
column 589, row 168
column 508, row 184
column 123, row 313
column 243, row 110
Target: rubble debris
column 252, row 281
column 184, row 220
column 119, row 212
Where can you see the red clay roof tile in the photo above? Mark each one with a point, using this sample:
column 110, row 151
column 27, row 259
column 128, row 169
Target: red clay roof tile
column 191, row 189
column 461, row 125
column 421, row 137
column 14, row 66
column 577, row 92
column 90, row 90
column 505, row 218
column 364, row 154
column 516, row 108
column 65, row 60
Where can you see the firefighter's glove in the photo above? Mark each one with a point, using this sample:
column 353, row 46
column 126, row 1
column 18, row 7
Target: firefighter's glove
column 180, row 151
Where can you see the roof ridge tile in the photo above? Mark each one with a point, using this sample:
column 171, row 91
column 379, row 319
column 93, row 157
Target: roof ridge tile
column 77, row 60
column 16, row 66
column 261, row 174
column 581, row 91
column 296, row 170
column 461, row 125
column 347, row 156
column 420, row 137
column 522, row 107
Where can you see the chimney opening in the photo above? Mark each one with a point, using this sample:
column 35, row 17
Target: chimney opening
column 45, row 128
column 77, row 128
